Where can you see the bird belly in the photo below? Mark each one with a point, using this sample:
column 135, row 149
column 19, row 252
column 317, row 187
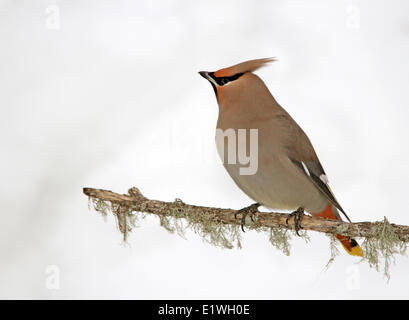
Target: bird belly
column 279, row 185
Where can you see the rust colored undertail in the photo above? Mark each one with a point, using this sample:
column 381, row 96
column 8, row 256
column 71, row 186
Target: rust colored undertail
column 349, row 244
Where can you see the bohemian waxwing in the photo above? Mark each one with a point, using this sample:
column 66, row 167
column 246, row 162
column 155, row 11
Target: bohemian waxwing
column 288, row 174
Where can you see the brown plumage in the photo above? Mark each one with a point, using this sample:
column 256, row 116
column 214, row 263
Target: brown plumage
column 247, row 66
column 289, row 174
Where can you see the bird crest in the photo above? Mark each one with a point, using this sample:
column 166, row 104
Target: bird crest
column 243, row 67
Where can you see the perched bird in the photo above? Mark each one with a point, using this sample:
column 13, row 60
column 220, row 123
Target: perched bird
column 288, row 175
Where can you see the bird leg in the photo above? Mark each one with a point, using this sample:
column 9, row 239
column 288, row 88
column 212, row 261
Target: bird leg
column 250, row 210
column 298, row 215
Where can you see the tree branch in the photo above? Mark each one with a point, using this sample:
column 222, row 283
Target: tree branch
column 221, row 227
column 136, row 202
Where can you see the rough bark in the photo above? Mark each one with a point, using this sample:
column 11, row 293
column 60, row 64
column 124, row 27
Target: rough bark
column 138, row 203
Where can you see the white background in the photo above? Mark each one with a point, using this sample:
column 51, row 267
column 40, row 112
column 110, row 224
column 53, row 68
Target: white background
column 106, row 94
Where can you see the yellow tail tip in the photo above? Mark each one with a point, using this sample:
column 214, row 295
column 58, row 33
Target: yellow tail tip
column 354, row 250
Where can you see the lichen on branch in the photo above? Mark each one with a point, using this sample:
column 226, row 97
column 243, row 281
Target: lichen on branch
column 221, row 227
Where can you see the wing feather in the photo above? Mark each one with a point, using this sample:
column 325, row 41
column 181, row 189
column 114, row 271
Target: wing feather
column 315, row 177
column 302, row 154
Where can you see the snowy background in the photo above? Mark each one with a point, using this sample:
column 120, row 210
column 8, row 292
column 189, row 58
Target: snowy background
column 106, row 94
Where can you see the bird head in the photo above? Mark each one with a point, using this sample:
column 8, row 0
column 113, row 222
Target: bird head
column 232, row 76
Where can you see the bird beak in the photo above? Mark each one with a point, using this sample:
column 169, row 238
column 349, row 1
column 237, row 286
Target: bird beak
column 204, row 74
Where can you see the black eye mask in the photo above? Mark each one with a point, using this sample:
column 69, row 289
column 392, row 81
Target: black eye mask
column 221, row 81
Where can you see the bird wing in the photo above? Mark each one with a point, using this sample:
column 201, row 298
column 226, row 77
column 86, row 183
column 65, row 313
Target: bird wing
column 302, row 154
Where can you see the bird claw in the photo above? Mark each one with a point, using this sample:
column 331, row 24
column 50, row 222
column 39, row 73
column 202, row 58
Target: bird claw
column 298, row 215
column 250, row 210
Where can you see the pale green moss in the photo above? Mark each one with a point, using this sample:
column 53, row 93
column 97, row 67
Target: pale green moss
column 280, row 239
column 383, row 246
column 176, row 219
column 334, row 251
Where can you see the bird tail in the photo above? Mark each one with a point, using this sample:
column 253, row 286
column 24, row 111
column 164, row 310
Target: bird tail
column 349, row 244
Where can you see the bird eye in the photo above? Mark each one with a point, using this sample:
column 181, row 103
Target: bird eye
column 221, row 81
column 224, row 81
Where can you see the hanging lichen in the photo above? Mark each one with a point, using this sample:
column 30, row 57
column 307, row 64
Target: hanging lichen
column 334, row 251
column 209, row 229
column 280, row 239
column 384, row 244
column 379, row 249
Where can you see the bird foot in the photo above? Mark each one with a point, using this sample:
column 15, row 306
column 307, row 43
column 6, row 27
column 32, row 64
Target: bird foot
column 250, row 210
column 298, row 215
